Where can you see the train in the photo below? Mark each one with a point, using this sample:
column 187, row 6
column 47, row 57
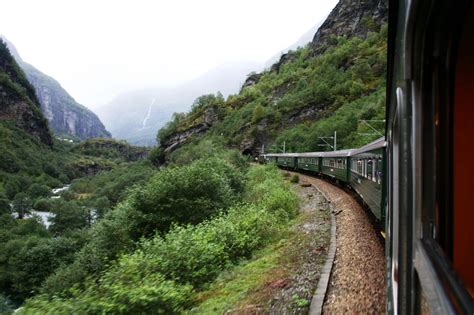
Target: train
column 418, row 179
column 360, row 169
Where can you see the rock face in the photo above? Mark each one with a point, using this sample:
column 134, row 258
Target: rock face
column 18, row 102
column 350, row 18
column 64, row 114
column 210, row 117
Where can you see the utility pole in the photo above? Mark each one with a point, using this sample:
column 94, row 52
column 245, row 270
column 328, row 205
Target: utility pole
column 374, row 130
column 326, row 143
column 280, row 148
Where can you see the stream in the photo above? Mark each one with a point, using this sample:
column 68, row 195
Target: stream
column 44, row 215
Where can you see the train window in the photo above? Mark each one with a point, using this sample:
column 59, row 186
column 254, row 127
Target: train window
column 379, row 171
column 446, row 90
column 369, row 169
column 374, row 170
column 463, row 238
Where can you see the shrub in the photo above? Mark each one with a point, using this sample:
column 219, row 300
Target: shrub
column 43, row 205
column 4, row 206
column 68, row 216
column 162, row 273
column 295, row 179
column 187, row 194
column 39, row 190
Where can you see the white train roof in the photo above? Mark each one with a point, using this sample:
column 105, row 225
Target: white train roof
column 379, row 143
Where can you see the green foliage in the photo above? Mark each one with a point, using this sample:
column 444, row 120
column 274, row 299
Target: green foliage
column 43, row 204
column 161, row 275
column 68, row 216
column 39, row 190
column 21, row 205
column 5, row 206
column 185, row 194
column 170, row 127
column 112, row 184
column 297, row 103
column 111, row 149
column 28, row 254
column 206, row 149
column 6, row 305
column 258, row 113
column 295, row 179
column 348, row 121
column 188, row 194
column 35, row 163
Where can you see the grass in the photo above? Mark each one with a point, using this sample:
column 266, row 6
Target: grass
column 236, row 287
column 252, row 284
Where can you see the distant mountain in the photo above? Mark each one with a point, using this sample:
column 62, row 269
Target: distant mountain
column 64, row 114
column 305, row 39
column 137, row 116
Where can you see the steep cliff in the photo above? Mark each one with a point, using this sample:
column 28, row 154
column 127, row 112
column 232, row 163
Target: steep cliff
column 65, row 115
column 335, row 83
column 18, row 102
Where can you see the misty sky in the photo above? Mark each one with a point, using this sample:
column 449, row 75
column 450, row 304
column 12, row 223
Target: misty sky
column 97, row 49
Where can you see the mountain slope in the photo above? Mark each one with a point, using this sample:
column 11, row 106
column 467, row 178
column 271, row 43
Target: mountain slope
column 336, row 83
column 65, row 115
column 18, row 102
column 149, row 109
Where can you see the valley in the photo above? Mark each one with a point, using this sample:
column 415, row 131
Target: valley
column 152, row 203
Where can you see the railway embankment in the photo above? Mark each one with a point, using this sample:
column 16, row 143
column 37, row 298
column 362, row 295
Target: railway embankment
column 282, row 278
column 357, row 283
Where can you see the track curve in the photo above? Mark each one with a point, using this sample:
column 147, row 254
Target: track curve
column 357, row 283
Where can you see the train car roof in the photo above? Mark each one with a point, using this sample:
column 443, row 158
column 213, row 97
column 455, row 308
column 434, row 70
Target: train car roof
column 376, row 144
column 340, row 153
column 379, row 143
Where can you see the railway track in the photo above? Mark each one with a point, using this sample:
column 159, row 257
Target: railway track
column 357, row 283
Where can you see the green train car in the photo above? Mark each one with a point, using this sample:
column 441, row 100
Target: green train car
column 360, row 168
column 335, row 164
column 366, row 176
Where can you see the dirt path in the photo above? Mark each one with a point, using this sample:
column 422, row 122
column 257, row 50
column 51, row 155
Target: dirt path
column 357, row 284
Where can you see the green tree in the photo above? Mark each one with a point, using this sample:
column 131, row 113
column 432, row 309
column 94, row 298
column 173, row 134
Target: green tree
column 5, row 206
column 39, row 190
column 43, row 204
column 68, row 216
column 102, row 206
column 22, row 205
column 258, row 113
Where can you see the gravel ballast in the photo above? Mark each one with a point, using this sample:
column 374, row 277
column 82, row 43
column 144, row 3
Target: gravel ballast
column 357, row 283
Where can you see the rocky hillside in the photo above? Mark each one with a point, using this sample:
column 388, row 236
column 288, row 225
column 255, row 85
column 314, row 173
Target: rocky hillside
column 111, row 149
column 65, row 115
column 18, row 103
column 336, row 83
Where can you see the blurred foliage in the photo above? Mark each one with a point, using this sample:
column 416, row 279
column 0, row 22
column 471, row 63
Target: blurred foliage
column 163, row 273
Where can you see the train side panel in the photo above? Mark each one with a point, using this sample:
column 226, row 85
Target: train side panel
column 335, row 167
column 367, row 179
column 310, row 164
